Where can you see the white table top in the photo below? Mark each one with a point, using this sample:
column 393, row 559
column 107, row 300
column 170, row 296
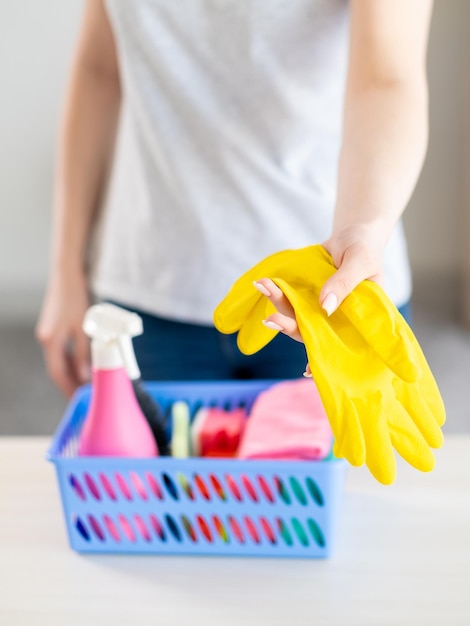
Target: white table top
column 402, row 558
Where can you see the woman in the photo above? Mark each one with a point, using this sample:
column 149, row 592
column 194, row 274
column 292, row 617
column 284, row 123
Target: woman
column 244, row 128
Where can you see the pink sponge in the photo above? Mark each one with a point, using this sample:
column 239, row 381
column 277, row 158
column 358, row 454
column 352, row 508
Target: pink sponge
column 287, row 421
column 216, row 432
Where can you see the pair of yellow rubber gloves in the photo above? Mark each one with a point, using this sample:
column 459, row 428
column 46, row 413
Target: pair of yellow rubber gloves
column 375, row 384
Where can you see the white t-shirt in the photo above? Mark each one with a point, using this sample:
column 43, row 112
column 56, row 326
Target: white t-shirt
column 228, row 147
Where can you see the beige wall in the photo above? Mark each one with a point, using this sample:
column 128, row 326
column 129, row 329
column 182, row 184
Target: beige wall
column 36, row 40
column 433, row 220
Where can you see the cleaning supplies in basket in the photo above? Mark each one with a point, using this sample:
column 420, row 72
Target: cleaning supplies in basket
column 180, row 421
column 216, row 432
column 126, row 322
column 114, row 424
column 375, row 384
column 287, row 421
column 196, row 505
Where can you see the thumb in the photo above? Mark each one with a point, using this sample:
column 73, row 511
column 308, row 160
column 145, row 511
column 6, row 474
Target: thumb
column 355, row 267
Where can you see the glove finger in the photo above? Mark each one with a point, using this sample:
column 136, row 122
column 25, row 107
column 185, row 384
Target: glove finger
column 380, row 458
column 253, row 335
column 342, row 416
column 231, row 312
column 319, row 338
column 428, row 391
column 337, row 451
column 235, row 308
column 408, row 440
column 414, row 402
column 349, row 437
column 375, row 316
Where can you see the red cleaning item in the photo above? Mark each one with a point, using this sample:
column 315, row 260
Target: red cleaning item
column 216, row 432
column 287, row 421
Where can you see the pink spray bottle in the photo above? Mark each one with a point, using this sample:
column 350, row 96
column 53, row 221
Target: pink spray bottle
column 115, row 424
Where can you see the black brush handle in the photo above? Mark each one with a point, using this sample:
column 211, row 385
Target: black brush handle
column 154, row 416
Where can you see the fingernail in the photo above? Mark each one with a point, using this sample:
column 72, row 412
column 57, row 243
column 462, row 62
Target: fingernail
column 307, row 374
column 272, row 325
column 330, row 303
column 261, row 288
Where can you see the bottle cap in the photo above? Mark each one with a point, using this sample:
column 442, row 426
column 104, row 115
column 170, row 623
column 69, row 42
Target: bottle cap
column 111, row 329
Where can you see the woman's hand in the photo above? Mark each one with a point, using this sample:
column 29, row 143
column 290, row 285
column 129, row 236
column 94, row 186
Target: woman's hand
column 59, row 331
column 357, row 255
column 86, row 140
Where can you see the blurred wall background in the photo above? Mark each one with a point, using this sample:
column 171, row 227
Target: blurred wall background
column 36, row 41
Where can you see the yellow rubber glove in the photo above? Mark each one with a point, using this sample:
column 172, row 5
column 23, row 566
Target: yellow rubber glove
column 376, row 386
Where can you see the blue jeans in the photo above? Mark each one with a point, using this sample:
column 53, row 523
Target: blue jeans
column 170, row 350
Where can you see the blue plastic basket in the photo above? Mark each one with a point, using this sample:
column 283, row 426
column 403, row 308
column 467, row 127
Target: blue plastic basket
column 195, row 506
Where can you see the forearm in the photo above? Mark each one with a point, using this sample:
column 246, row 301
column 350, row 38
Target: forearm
column 85, row 147
column 384, row 143
column 86, row 140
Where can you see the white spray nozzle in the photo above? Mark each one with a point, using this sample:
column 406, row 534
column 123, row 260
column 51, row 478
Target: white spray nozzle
column 111, row 330
column 108, row 322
